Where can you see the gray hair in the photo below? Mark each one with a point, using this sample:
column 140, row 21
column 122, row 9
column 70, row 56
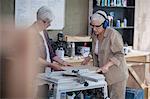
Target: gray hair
column 44, row 13
column 99, row 15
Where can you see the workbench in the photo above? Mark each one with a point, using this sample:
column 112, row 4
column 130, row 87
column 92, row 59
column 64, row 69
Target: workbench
column 138, row 70
column 69, row 84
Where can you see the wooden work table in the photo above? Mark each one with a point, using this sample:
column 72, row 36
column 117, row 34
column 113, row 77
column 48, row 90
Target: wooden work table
column 134, row 55
column 138, row 69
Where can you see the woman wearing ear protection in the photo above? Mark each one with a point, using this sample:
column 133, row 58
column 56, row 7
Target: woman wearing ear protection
column 107, row 54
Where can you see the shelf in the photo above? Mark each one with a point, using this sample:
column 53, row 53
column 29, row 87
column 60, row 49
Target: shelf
column 130, row 7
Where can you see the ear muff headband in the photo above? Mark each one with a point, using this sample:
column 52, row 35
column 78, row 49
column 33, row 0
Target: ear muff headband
column 102, row 15
column 106, row 22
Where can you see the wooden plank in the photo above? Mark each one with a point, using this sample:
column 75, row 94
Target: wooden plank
column 136, row 53
column 148, row 92
column 147, row 67
column 136, row 77
column 78, row 38
column 147, row 75
column 144, row 62
column 136, row 58
column 90, row 14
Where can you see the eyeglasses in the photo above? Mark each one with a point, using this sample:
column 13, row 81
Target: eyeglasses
column 95, row 25
column 46, row 21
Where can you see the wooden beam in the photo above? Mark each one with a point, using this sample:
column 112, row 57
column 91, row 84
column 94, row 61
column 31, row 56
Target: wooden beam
column 148, row 92
column 134, row 74
column 145, row 62
column 78, row 38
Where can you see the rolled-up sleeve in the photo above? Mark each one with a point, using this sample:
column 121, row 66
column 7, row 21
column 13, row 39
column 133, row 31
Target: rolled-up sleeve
column 116, row 48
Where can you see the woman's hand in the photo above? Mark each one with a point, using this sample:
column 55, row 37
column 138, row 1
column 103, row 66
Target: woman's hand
column 103, row 69
column 60, row 61
column 86, row 60
column 66, row 63
column 55, row 67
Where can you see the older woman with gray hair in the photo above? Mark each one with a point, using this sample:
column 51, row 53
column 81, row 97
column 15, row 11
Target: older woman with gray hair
column 107, row 54
column 46, row 53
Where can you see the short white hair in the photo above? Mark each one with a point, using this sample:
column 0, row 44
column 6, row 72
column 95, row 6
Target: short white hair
column 44, row 13
column 99, row 15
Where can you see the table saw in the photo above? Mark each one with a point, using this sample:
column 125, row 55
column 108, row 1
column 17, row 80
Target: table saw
column 64, row 83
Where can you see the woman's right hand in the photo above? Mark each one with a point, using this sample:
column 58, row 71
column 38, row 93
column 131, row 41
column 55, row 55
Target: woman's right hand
column 86, row 60
column 56, row 67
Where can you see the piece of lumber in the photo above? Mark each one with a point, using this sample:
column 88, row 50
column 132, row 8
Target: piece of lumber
column 134, row 74
column 77, row 38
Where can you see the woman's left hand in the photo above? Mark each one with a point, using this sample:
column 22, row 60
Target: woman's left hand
column 66, row 63
column 103, row 69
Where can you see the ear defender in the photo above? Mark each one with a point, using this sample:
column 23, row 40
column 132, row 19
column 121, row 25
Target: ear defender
column 106, row 22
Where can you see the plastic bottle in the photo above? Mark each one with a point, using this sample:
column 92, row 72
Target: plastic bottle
column 124, row 2
column 73, row 49
column 69, row 49
column 60, row 36
column 98, row 3
column 125, row 22
column 110, row 18
column 126, row 49
column 118, row 23
column 119, row 2
column 115, row 2
column 63, row 95
column 112, row 3
column 70, row 95
column 85, row 44
column 108, row 3
column 103, row 3
column 60, row 53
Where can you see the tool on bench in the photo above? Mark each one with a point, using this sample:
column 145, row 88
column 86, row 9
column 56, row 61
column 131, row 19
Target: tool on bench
column 81, row 79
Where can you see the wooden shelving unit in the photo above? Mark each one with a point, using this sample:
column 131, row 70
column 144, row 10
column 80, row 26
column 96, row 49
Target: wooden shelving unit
column 120, row 12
